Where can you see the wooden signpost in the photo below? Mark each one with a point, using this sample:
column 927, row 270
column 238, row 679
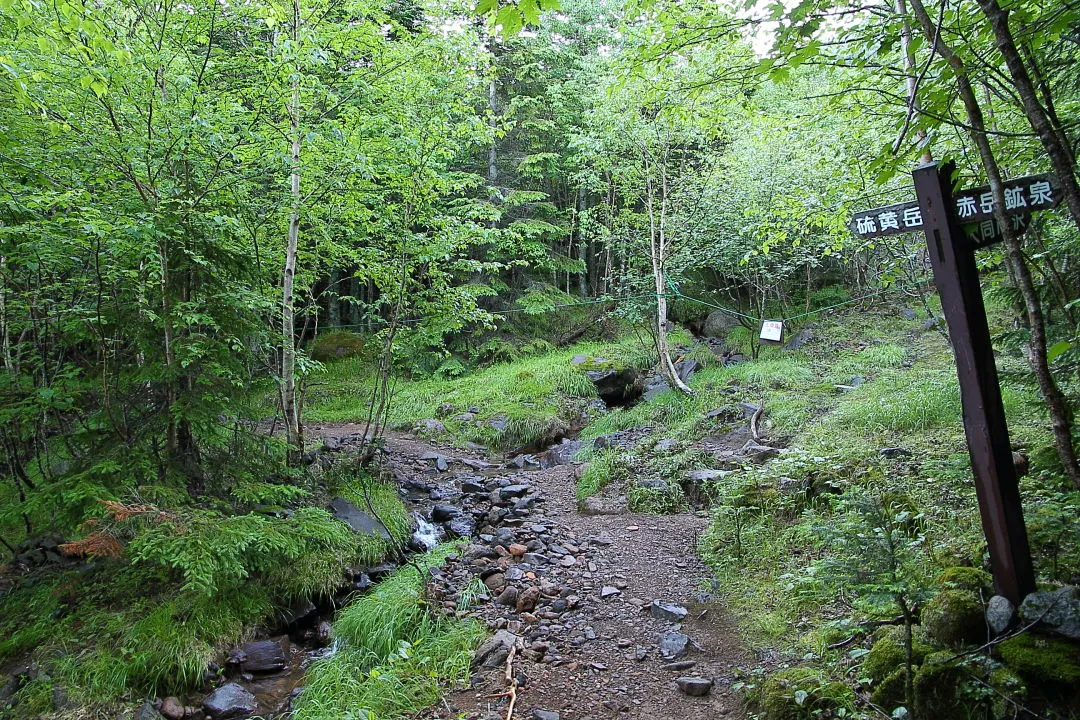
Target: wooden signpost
column 956, row 225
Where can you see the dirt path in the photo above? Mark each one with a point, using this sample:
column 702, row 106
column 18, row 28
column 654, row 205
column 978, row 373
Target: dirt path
column 591, row 644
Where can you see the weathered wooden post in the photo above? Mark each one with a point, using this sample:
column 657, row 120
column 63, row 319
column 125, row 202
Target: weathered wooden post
column 956, row 225
column 956, row 275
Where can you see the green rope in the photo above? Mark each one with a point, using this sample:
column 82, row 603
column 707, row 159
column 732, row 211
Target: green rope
column 673, row 292
column 854, row 300
column 504, row 313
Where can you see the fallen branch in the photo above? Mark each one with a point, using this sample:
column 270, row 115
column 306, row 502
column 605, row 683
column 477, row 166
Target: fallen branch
column 511, row 682
column 754, row 421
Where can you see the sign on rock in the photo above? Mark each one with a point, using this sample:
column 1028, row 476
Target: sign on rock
column 956, row 224
column 974, row 210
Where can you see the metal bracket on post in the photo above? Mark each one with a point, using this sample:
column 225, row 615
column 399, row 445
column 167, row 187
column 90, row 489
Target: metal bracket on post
column 957, row 278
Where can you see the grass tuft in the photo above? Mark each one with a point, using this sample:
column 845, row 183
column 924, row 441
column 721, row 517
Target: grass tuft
column 396, row 653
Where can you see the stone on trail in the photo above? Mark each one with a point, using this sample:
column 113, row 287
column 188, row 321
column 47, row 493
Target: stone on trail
column 230, row 701
column 669, row 612
column 608, row 591
column 694, row 686
column 545, row 715
column 679, row 666
column 674, row 645
column 508, row 597
column 597, row 506
column 495, row 650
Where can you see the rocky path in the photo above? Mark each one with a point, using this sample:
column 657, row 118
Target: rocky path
column 610, row 613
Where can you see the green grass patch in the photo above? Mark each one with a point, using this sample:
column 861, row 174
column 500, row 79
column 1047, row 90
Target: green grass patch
column 605, row 468
column 396, row 657
column 534, row 397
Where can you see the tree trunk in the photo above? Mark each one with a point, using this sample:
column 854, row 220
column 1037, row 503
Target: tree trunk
column 289, row 405
column 1060, row 157
column 658, row 254
column 1057, row 404
column 333, row 300
column 583, row 250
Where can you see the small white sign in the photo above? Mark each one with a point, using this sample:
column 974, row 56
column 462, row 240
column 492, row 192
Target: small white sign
column 772, row 330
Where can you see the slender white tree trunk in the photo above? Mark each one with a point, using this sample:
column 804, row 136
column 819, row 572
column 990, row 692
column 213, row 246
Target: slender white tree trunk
column 289, row 404
column 658, row 250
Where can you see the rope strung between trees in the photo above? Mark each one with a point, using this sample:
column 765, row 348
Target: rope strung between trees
column 674, row 293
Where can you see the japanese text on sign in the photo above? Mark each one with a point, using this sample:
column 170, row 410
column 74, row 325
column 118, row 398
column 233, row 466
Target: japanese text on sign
column 973, row 207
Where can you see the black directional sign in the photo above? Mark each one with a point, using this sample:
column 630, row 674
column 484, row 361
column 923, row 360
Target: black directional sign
column 974, row 208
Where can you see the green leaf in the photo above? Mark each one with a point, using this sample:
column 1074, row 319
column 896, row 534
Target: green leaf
column 486, row 7
column 530, row 10
column 1057, row 350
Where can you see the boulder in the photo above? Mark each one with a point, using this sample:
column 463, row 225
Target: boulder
column 442, row 513
column 360, row 521
column 616, row 386
column 954, row 617
column 563, row 453
column 686, row 369
column 230, row 701
column 798, row 340
column 430, row 426
column 1058, row 611
column 700, row 476
column 263, row 657
column 461, row 526
column 718, row 324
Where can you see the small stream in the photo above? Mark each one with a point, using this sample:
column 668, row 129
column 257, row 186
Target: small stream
column 307, row 639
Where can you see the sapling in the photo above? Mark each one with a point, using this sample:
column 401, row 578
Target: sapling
column 877, row 552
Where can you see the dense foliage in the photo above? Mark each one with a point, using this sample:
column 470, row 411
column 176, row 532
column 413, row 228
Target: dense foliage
column 218, row 219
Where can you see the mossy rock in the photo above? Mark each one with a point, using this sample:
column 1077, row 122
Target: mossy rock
column 971, row 579
column 800, row 694
column 937, row 685
column 887, row 654
column 337, row 346
column 953, row 618
column 1041, row 659
column 890, row 693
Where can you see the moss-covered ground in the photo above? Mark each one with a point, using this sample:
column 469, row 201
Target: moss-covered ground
column 153, row 620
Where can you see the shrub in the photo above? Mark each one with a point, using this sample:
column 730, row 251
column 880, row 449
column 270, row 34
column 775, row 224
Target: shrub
column 800, row 694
